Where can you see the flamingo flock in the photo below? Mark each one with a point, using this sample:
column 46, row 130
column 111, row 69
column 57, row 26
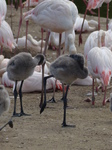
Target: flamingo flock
column 61, row 21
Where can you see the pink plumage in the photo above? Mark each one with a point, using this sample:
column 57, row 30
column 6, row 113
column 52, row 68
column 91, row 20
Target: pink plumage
column 99, row 63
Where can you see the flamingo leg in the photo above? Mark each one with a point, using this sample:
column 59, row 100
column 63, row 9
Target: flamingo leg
column 44, row 103
column 15, row 98
column 93, row 97
column 10, row 123
column 104, row 100
column 47, row 39
column 98, row 18
column 20, row 96
column 11, row 12
column 107, row 16
column 41, row 39
column 59, row 49
column 52, row 100
column 27, row 22
column 20, row 21
column 80, row 35
column 65, row 106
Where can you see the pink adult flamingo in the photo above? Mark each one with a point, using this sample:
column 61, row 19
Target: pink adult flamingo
column 3, row 10
column 44, row 13
column 93, row 4
column 99, row 62
column 6, row 36
column 98, row 39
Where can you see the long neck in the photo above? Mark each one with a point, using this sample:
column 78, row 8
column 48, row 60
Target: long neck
column 69, row 44
column 66, row 38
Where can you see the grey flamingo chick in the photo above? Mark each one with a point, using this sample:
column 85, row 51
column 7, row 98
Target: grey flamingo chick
column 20, row 67
column 4, row 104
column 4, row 100
column 66, row 68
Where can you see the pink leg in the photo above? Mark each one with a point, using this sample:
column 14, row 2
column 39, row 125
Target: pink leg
column 20, row 21
column 107, row 16
column 80, row 36
column 59, row 49
column 27, row 22
column 11, row 12
column 104, row 96
column 98, row 18
column 41, row 38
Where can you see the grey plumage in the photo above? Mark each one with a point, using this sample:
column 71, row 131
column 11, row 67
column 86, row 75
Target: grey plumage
column 66, row 68
column 4, row 100
column 20, row 67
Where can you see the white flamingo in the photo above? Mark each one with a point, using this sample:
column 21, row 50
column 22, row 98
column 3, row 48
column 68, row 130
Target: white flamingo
column 32, row 83
column 86, row 26
column 3, row 10
column 6, row 36
column 45, row 12
column 93, row 4
column 99, row 62
column 31, row 43
column 98, row 39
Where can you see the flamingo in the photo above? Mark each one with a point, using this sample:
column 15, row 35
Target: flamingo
column 4, row 99
column 5, row 104
column 86, row 27
column 20, row 67
column 99, row 38
column 93, row 4
column 66, row 68
column 54, row 40
column 32, row 83
column 44, row 13
column 3, row 64
column 31, row 43
column 3, row 10
column 99, row 62
column 6, row 36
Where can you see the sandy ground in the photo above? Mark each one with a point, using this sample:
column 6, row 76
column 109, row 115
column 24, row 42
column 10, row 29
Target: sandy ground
column 93, row 129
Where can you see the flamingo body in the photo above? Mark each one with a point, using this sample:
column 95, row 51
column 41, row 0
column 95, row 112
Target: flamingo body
column 3, row 10
column 57, row 16
column 6, row 36
column 98, row 39
column 4, row 100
